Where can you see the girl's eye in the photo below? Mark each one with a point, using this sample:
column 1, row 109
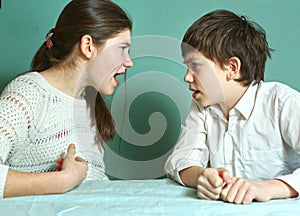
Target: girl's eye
column 124, row 48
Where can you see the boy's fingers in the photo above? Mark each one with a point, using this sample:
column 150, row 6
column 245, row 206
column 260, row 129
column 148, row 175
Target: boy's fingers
column 224, row 191
column 225, row 175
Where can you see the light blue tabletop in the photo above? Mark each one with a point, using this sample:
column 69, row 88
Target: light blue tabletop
column 137, row 197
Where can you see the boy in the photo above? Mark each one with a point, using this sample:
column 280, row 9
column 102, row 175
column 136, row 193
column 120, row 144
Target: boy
column 241, row 139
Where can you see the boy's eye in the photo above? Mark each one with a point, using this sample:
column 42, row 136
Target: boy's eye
column 195, row 65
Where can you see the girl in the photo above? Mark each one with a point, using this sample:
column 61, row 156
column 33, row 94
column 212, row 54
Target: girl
column 58, row 106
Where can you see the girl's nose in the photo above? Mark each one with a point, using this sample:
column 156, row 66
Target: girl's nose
column 128, row 63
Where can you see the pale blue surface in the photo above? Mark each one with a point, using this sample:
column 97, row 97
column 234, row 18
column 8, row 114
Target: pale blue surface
column 138, row 197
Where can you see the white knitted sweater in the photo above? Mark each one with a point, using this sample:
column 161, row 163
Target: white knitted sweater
column 38, row 122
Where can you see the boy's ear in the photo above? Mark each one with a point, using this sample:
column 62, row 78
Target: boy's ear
column 87, row 46
column 233, row 68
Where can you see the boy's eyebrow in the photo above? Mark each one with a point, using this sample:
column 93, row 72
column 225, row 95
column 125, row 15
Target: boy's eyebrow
column 189, row 60
column 186, row 61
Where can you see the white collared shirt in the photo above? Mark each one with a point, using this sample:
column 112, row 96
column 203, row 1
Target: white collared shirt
column 261, row 139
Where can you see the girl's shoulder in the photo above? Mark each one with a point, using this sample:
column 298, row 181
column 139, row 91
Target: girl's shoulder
column 31, row 85
column 24, row 97
column 27, row 92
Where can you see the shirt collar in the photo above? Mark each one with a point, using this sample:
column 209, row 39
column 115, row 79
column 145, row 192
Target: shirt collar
column 247, row 101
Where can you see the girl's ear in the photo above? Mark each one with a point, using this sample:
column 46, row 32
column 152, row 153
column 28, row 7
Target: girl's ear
column 87, row 46
column 233, row 68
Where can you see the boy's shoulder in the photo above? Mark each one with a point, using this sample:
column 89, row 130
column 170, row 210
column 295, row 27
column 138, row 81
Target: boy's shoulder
column 276, row 90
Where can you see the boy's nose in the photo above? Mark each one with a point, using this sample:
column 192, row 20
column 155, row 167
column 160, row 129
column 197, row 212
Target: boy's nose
column 188, row 77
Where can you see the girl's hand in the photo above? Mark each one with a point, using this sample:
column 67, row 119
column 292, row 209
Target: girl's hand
column 59, row 163
column 74, row 168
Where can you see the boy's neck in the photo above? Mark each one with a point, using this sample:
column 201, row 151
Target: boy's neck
column 232, row 97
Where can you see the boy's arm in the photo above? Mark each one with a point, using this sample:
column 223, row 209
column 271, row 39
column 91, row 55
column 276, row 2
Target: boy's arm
column 208, row 181
column 209, row 184
column 190, row 175
column 191, row 149
column 289, row 125
column 244, row 191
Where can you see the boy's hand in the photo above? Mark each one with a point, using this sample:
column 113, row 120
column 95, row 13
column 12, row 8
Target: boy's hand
column 244, row 191
column 211, row 182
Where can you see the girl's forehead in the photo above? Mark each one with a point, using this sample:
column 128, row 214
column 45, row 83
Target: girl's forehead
column 122, row 37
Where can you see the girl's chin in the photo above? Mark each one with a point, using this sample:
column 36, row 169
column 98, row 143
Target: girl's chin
column 107, row 91
column 109, row 88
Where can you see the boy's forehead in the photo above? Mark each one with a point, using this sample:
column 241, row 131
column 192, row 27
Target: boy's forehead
column 193, row 56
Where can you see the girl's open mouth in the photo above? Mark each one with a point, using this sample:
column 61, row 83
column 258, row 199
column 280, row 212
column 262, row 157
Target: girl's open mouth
column 117, row 74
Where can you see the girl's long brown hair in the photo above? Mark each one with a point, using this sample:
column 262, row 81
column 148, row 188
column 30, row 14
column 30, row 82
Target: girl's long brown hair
column 102, row 20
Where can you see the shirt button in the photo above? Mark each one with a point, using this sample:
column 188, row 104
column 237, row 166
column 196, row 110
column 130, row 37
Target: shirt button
column 229, row 163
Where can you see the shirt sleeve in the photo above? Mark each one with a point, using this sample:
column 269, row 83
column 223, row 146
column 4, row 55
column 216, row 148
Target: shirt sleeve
column 289, row 123
column 191, row 148
column 16, row 111
column 3, row 174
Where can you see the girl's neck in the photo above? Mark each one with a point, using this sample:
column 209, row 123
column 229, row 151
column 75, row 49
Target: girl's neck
column 66, row 80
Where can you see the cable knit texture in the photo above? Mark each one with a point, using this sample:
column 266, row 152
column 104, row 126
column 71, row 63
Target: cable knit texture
column 38, row 122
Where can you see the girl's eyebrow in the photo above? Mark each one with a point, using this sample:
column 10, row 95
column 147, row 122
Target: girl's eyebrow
column 126, row 44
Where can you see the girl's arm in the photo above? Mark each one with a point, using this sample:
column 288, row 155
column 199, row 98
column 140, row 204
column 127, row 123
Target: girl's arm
column 74, row 171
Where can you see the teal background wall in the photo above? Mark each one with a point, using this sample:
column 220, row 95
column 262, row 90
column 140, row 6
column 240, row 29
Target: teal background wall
column 158, row 28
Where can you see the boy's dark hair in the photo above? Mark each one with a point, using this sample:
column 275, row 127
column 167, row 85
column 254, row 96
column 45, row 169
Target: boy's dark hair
column 221, row 34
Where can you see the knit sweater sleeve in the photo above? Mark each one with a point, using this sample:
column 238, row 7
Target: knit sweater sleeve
column 18, row 104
